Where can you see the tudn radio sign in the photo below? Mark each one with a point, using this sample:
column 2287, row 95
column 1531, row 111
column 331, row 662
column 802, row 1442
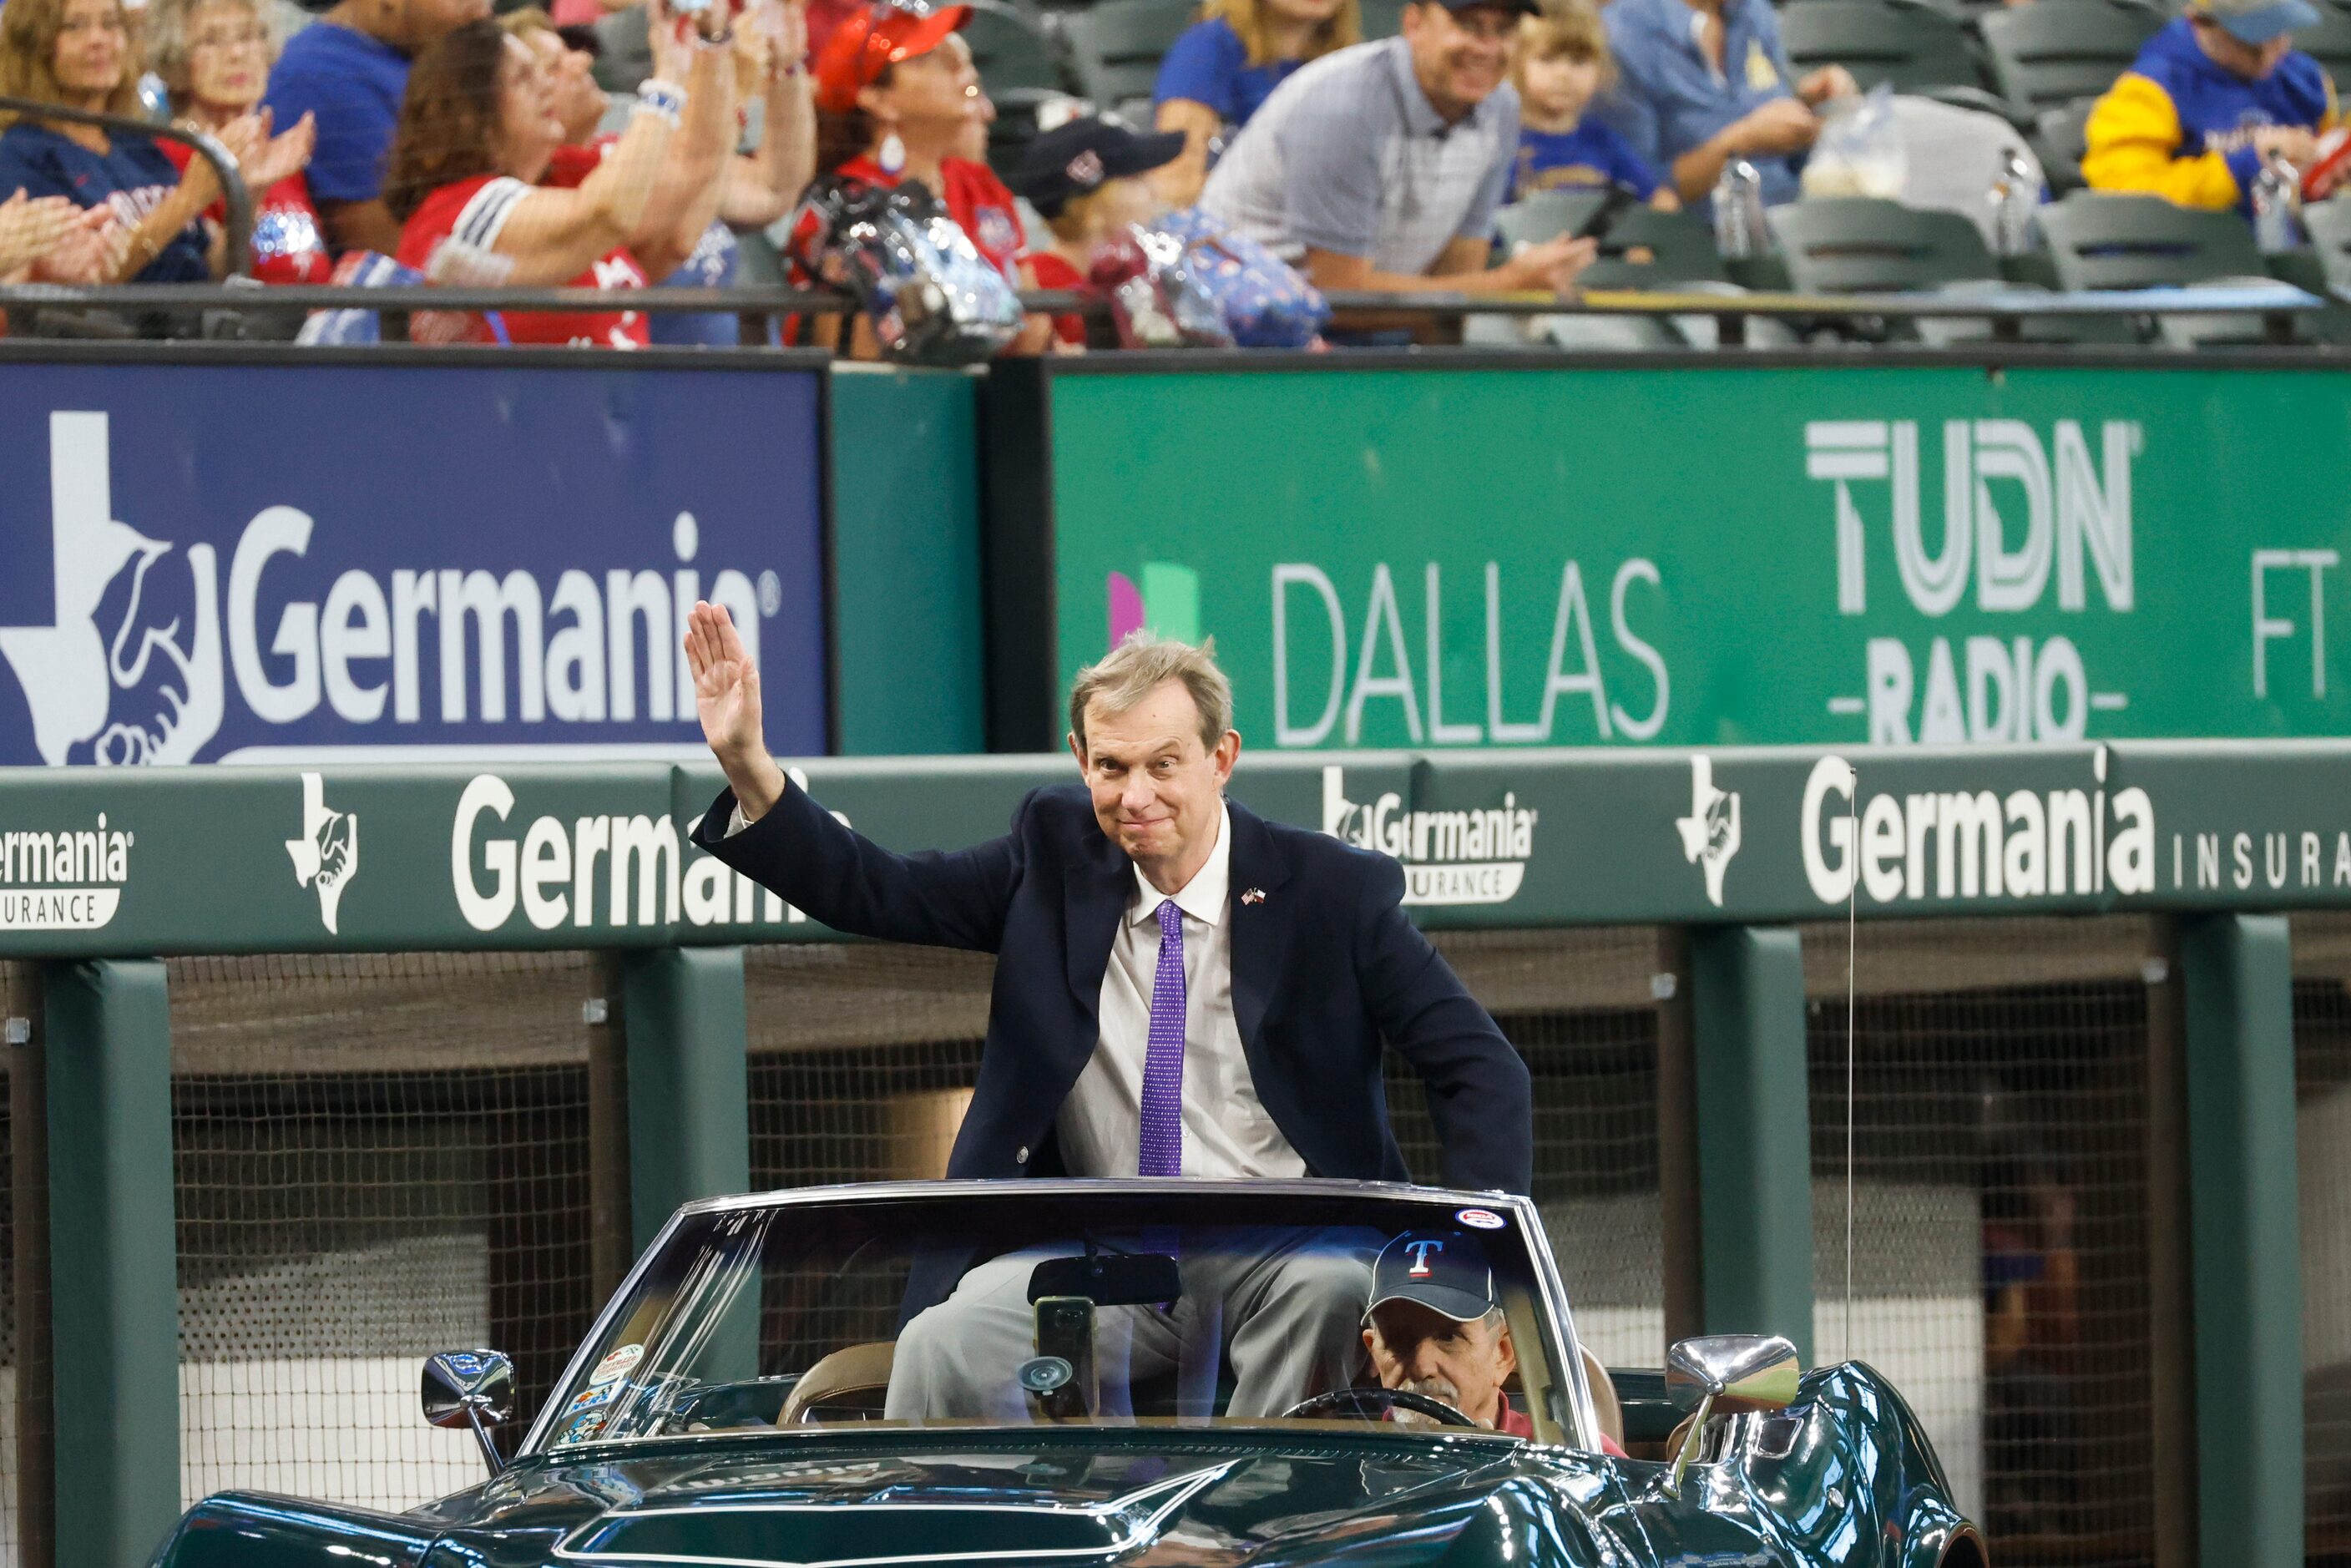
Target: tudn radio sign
column 69, row 881
column 1449, row 857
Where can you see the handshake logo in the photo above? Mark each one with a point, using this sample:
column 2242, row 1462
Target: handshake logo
column 131, row 670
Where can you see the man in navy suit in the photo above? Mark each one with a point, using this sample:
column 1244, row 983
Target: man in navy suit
column 1182, row 989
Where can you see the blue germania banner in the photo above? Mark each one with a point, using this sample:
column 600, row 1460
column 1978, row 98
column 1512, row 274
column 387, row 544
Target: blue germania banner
column 282, row 563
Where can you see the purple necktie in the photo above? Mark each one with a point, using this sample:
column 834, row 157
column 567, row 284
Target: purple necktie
column 1162, row 1058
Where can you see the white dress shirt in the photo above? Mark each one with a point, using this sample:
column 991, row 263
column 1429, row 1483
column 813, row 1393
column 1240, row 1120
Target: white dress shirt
column 1227, row 1131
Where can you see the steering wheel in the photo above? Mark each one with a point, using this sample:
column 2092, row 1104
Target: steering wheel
column 1360, row 1402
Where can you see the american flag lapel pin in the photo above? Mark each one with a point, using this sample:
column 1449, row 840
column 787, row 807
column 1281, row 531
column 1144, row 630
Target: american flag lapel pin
column 1253, row 895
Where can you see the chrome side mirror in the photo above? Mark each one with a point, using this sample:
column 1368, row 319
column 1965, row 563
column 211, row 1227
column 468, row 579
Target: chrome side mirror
column 1730, row 1375
column 473, row 1389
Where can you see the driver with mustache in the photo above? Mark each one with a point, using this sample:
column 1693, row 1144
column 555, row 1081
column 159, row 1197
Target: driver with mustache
column 1434, row 1327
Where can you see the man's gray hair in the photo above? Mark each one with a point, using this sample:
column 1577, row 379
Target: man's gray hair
column 1139, row 667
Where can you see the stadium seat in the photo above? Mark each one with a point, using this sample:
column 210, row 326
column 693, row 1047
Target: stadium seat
column 1014, row 51
column 2059, row 136
column 1911, row 45
column 2047, row 56
column 1859, row 244
column 1382, row 18
column 2328, row 262
column 2329, row 42
column 1545, row 214
column 2108, row 240
column 1115, row 48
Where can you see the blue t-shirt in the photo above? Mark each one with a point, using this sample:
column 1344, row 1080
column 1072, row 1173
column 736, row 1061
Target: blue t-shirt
column 1669, row 97
column 712, row 265
column 131, row 176
column 1207, row 63
column 353, row 83
column 1588, row 156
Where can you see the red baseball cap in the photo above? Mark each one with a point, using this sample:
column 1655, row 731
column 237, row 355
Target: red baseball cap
column 864, row 45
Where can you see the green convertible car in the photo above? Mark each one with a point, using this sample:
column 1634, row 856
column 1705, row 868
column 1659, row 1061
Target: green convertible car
column 1142, row 1374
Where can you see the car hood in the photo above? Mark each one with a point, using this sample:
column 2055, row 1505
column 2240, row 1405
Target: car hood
column 1393, row 1501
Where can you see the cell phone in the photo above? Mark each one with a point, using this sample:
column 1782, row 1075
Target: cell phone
column 1611, row 207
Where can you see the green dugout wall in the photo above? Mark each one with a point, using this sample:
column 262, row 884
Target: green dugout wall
column 1729, row 852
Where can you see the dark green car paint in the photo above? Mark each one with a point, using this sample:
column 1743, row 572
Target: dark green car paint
column 1844, row 1477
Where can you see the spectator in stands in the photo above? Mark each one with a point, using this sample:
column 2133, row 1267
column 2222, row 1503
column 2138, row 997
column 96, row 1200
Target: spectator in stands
column 214, row 57
column 1088, row 180
column 752, row 191
column 898, row 101
column 1218, row 72
column 2211, row 98
column 1382, row 166
column 1559, row 63
column 348, row 72
column 477, row 134
column 1705, row 81
column 79, row 53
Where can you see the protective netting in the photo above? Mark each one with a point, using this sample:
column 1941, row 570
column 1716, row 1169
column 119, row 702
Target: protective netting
column 16, row 1001
column 863, row 1059
column 2321, row 1061
column 2000, row 1264
column 375, row 1158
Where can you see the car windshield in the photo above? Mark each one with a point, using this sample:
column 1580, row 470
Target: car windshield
column 1012, row 1304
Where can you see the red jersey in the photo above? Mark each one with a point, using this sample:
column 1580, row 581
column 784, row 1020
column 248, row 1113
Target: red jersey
column 1053, row 272
column 451, row 236
column 976, row 199
column 290, row 246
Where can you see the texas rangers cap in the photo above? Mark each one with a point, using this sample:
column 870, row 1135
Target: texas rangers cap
column 1443, row 1270
column 2256, row 21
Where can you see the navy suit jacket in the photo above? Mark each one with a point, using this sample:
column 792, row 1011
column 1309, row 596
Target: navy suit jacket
column 1325, row 966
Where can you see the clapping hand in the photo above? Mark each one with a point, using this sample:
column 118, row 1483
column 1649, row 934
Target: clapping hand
column 30, row 228
column 92, row 249
column 279, row 157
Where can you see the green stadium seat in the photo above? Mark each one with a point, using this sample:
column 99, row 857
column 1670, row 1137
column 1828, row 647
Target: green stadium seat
column 2044, row 55
column 1115, row 46
column 1859, row 244
column 2059, row 139
column 2111, row 240
column 1545, row 214
column 2329, row 259
column 1646, row 248
column 2329, row 42
column 1382, row 18
column 1014, row 51
column 1911, row 45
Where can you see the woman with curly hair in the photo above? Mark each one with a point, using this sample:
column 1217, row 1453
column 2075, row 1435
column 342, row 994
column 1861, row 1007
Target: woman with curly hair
column 79, row 53
column 479, row 130
column 215, row 57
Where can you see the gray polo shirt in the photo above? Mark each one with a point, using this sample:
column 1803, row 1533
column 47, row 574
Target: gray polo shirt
column 1348, row 156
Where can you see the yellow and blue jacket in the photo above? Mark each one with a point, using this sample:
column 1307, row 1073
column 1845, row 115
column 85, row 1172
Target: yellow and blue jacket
column 2179, row 125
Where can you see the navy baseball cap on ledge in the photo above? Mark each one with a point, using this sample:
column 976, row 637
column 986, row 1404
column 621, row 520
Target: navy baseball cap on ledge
column 1443, row 1270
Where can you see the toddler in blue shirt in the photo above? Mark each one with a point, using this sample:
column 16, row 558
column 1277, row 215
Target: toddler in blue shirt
column 1558, row 63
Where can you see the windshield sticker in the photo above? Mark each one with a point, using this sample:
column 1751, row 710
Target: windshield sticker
column 600, row 1393
column 1480, row 1218
column 616, row 1365
column 583, row 1428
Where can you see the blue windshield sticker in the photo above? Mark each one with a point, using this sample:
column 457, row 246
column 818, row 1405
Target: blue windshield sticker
column 591, row 1397
column 1480, row 1218
column 583, row 1428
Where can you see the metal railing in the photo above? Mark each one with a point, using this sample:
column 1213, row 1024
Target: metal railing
column 235, row 199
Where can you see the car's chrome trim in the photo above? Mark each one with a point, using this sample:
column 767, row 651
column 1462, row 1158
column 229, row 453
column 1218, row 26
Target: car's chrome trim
column 1586, row 1415
column 1178, row 1490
